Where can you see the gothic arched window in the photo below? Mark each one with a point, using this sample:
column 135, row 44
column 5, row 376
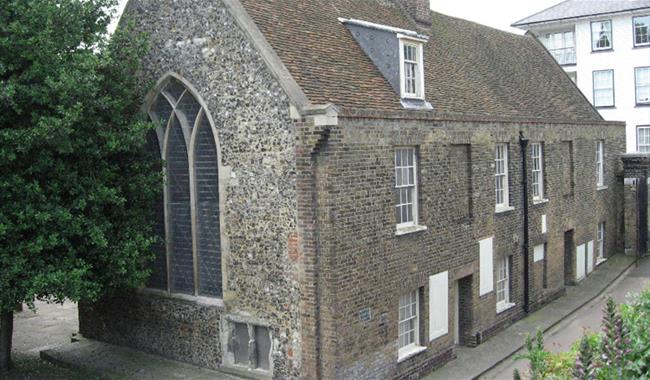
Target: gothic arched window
column 188, row 216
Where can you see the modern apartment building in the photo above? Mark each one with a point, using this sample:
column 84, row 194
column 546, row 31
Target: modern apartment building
column 604, row 46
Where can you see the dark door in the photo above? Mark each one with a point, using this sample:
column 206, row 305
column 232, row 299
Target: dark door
column 569, row 249
column 463, row 325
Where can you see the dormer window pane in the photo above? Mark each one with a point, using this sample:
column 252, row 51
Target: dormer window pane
column 410, row 68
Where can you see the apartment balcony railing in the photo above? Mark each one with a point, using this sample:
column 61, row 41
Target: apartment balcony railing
column 564, row 56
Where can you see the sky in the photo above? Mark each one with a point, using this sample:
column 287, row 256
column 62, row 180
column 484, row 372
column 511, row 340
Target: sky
column 498, row 14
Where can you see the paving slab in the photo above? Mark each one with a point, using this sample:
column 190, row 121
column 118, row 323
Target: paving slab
column 472, row 362
column 120, row 363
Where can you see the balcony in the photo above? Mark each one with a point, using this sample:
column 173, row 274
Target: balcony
column 564, row 56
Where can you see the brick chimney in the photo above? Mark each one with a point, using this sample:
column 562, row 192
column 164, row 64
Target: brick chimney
column 418, row 9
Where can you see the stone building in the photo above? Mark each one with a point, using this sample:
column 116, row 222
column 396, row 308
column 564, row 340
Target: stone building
column 355, row 188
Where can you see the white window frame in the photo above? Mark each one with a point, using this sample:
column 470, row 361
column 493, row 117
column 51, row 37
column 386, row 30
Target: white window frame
column 418, row 44
column 411, row 347
column 594, row 42
column 501, row 185
column 502, row 284
column 610, row 88
column 634, row 30
column 565, row 52
column 643, row 139
column 645, row 101
column 411, row 187
column 537, row 152
column 601, row 242
column 600, row 163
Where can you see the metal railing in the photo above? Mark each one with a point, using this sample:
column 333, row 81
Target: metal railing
column 564, row 56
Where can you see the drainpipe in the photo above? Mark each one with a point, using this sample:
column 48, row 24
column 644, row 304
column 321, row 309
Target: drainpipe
column 523, row 144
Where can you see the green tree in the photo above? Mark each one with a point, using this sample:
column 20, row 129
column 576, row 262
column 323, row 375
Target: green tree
column 76, row 181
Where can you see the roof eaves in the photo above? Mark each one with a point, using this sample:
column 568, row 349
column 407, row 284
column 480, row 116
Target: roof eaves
column 365, row 113
column 519, row 23
column 537, row 13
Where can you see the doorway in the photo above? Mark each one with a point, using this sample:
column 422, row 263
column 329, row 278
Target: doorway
column 463, row 312
column 569, row 248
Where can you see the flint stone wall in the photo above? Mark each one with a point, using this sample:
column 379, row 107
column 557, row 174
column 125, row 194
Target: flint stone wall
column 201, row 42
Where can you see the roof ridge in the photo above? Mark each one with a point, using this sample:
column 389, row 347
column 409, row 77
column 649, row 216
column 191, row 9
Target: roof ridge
column 540, row 12
column 478, row 24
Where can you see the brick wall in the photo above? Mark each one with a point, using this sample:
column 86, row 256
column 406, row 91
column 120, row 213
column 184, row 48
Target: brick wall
column 370, row 267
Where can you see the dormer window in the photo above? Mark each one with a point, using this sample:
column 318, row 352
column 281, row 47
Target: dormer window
column 399, row 56
column 411, row 69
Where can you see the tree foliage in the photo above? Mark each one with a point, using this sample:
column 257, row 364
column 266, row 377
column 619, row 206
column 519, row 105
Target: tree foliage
column 76, row 182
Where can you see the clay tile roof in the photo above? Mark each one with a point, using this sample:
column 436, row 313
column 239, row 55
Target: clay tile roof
column 582, row 8
column 470, row 69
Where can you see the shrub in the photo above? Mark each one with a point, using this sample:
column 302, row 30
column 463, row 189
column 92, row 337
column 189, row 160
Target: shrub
column 620, row 352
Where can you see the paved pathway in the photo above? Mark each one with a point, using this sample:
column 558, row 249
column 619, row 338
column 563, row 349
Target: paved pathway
column 561, row 337
column 471, row 363
column 113, row 362
column 50, row 326
column 48, row 332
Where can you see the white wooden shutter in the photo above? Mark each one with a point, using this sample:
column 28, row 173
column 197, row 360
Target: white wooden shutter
column 590, row 257
column 538, row 252
column 486, row 275
column 580, row 262
column 438, row 305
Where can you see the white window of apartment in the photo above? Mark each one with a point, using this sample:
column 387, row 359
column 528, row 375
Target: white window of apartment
column 600, row 163
column 601, row 35
column 503, row 283
column 643, row 139
column 537, row 150
column 641, row 30
column 573, row 75
column 406, row 187
column 408, row 325
column 642, row 84
column 501, row 176
column 603, row 88
column 562, row 47
column 411, row 68
column 601, row 241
